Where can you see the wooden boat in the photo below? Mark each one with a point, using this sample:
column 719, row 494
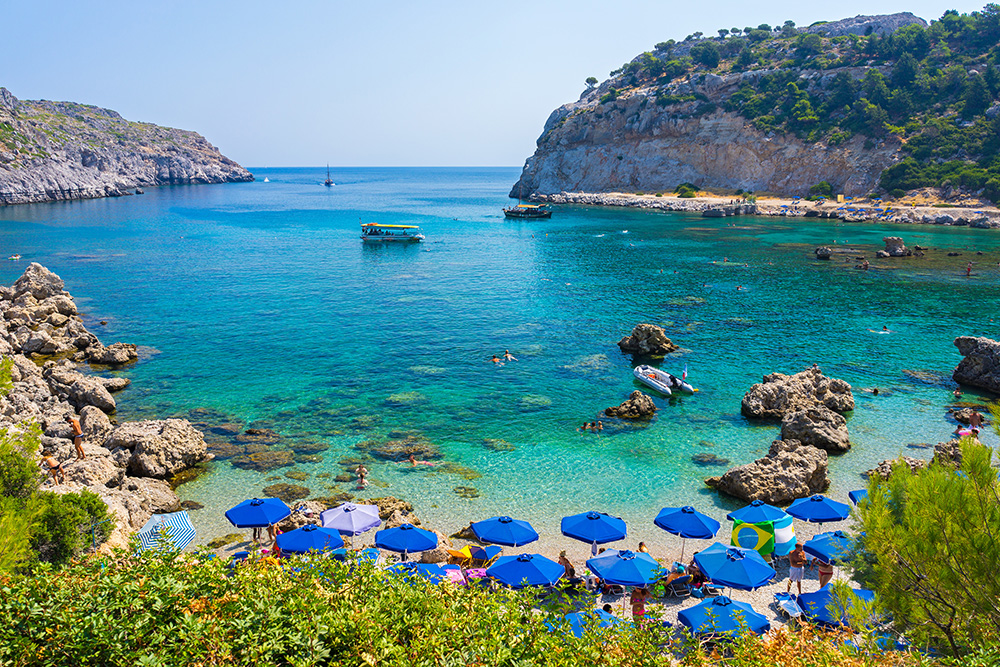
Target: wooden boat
column 527, row 211
column 328, row 182
column 372, row 232
column 661, row 381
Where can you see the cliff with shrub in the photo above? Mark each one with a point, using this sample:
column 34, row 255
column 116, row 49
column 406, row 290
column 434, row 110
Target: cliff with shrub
column 886, row 104
column 63, row 150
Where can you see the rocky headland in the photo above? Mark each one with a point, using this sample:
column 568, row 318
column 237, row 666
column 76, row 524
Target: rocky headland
column 52, row 151
column 130, row 465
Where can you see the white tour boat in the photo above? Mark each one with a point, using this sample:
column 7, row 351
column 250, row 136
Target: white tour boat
column 372, row 232
column 661, row 381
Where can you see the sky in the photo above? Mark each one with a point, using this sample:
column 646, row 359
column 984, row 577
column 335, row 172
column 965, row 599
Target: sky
column 366, row 83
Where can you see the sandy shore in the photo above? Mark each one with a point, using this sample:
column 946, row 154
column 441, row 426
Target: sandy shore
column 919, row 210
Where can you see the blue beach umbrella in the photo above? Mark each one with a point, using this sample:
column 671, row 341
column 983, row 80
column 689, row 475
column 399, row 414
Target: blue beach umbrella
column 757, row 512
column 626, row 568
column 594, row 528
column 504, row 530
column 581, row 621
column 525, row 570
column 432, row 572
column 258, row 513
column 687, row 522
column 309, row 538
column 857, row 496
column 835, row 548
column 823, row 606
column 164, row 531
column 351, row 519
column 743, row 569
column 722, row 616
column 405, row 539
column 819, row 509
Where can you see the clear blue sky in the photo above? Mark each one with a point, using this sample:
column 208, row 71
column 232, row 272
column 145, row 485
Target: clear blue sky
column 365, row 83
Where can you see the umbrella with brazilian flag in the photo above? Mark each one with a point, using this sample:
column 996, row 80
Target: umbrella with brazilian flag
column 766, row 537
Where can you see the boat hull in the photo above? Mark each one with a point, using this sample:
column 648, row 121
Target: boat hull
column 521, row 215
column 661, row 381
column 392, row 239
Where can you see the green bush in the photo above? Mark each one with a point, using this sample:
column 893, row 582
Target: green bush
column 822, row 188
column 67, row 524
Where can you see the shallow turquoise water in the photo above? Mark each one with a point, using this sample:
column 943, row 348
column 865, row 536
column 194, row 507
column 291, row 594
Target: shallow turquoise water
column 263, row 304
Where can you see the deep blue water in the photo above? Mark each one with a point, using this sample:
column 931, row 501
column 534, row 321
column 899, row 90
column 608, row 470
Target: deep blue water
column 259, row 300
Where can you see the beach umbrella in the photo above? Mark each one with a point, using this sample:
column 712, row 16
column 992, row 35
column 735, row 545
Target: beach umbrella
column 432, row 572
column 594, row 528
column 258, row 513
column 525, row 570
column 757, row 512
column 163, row 531
column 723, row 616
column 819, row 509
column 309, row 538
column 824, row 607
column 581, row 621
column 857, row 496
column 351, row 519
column 504, row 530
column 835, row 548
column 405, row 539
column 687, row 522
column 625, row 568
column 744, row 569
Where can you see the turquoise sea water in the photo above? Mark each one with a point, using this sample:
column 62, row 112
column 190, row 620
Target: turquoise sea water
column 260, row 302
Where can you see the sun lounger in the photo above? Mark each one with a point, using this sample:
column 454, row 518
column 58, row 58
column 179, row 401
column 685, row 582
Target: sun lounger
column 679, row 586
column 787, row 604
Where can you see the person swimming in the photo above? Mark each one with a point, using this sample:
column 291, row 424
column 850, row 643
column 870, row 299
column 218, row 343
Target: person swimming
column 412, row 460
column 496, row 360
column 508, row 356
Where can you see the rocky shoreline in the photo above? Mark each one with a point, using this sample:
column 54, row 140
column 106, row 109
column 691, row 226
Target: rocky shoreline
column 56, row 151
column 983, row 217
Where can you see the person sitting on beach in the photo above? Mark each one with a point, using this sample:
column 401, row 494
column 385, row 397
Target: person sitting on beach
column 568, row 569
column 642, row 548
column 54, row 467
column 508, row 356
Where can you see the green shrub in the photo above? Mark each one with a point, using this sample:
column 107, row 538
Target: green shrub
column 822, row 188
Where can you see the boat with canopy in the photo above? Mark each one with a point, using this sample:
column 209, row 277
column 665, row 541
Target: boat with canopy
column 372, row 232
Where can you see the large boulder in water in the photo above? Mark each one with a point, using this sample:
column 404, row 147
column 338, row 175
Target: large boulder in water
column 981, row 365
column 817, row 426
column 894, row 247
column 79, row 389
column 115, row 354
column 790, row 470
column 647, row 339
column 637, row 406
column 779, row 394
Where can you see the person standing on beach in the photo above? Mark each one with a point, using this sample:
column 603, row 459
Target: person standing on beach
column 638, row 601
column 796, row 567
column 825, row 573
column 77, row 436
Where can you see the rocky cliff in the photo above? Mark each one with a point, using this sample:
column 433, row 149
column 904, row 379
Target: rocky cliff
column 61, row 150
column 673, row 116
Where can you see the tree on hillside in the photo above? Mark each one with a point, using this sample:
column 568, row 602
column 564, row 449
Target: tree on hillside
column 707, row 54
column 905, row 71
column 788, row 29
column 723, row 32
column 976, row 97
column 809, row 44
column 591, row 82
column 735, row 31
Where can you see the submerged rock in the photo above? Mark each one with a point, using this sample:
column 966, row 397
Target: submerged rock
column 115, row 354
column 400, row 450
column 790, row 470
column 289, row 493
column 707, row 459
column 823, row 252
column 647, row 339
column 817, row 426
column 779, row 394
column 263, row 461
column 637, row 406
column 981, row 365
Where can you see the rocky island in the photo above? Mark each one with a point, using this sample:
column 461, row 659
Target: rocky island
column 854, row 107
column 51, row 151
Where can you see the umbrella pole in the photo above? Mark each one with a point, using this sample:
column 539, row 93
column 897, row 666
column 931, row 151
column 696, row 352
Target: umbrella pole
column 683, row 544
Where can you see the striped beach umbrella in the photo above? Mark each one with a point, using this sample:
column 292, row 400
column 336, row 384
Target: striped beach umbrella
column 166, row 531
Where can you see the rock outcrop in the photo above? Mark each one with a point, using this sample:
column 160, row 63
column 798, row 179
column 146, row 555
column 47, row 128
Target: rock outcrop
column 817, row 426
column 647, row 339
column 62, row 150
column 779, row 394
column 884, row 468
column 637, row 406
column 882, row 25
column 126, row 465
column 894, row 247
column 981, row 365
column 790, row 470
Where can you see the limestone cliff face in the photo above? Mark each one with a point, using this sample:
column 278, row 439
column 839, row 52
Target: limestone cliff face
column 634, row 144
column 61, row 150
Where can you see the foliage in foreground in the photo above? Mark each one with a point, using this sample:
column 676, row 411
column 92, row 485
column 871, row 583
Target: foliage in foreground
column 158, row 610
column 930, row 548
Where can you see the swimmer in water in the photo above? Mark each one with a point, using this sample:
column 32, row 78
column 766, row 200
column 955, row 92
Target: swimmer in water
column 884, row 330
column 508, row 356
column 739, row 288
column 495, row 359
column 412, row 460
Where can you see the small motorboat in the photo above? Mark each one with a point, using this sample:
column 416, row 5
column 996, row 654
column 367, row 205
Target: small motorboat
column 661, row 381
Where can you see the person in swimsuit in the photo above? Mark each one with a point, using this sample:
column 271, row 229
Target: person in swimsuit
column 77, row 437
column 825, row 573
column 796, row 567
column 508, row 356
column 55, row 467
column 600, row 426
column 495, row 359
column 976, row 420
column 638, row 601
